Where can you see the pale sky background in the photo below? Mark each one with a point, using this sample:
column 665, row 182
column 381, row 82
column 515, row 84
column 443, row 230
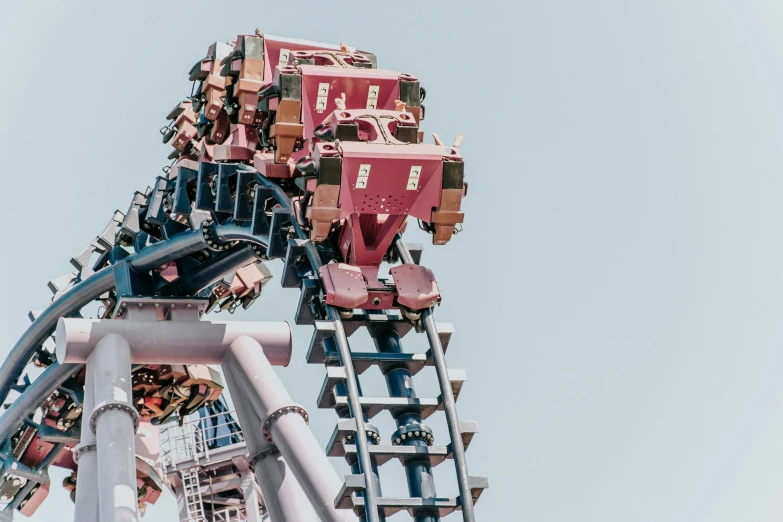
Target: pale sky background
column 617, row 289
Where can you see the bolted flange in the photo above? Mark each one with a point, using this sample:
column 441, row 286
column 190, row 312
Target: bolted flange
column 253, row 459
column 294, row 408
column 373, row 434
column 82, row 448
column 114, row 405
column 215, row 244
column 413, row 432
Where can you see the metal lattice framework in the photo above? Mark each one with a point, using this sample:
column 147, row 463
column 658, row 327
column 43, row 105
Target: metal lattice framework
column 285, row 149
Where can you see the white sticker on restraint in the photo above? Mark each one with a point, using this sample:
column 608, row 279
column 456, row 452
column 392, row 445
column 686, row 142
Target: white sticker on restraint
column 323, row 95
column 364, row 176
column 284, row 56
column 413, row 177
column 372, row 96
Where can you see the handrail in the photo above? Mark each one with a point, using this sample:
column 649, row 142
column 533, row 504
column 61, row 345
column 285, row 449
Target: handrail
column 196, row 437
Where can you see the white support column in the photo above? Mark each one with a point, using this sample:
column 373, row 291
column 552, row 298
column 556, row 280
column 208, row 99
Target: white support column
column 114, row 422
column 182, row 504
column 251, row 497
column 283, row 496
column 255, row 381
column 87, row 457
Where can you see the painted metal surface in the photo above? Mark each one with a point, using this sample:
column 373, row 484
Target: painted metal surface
column 114, row 429
column 290, row 150
column 172, row 342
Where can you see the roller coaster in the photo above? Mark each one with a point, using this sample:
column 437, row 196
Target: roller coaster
column 285, row 149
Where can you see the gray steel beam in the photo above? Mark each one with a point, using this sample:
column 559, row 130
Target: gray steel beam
column 173, row 342
column 284, row 497
column 254, row 379
column 114, row 420
column 87, row 458
column 250, row 495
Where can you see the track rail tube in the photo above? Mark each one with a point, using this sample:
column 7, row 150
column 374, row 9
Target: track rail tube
column 82, row 294
column 362, row 444
column 34, row 396
column 449, row 405
column 460, row 462
column 234, row 232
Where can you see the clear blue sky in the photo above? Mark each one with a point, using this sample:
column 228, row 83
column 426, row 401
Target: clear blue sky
column 617, row 289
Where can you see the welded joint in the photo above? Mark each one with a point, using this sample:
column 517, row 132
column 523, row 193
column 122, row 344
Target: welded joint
column 18, row 469
column 82, row 448
column 272, row 417
column 114, row 405
column 253, row 459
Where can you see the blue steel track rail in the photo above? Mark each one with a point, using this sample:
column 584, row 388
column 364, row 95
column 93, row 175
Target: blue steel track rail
column 154, row 256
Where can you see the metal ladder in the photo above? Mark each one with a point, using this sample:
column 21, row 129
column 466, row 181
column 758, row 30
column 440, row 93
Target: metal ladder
column 193, row 502
column 231, row 514
column 354, row 438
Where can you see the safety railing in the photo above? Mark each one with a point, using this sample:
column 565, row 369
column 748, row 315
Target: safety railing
column 231, row 514
column 199, row 438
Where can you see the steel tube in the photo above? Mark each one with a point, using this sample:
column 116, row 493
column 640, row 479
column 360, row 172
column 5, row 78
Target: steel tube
column 34, row 396
column 173, row 342
column 87, row 480
column 345, row 412
column 265, row 393
column 114, row 430
column 212, row 271
column 234, row 232
column 178, row 246
column 354, row 401
column 449, row 405
column 399, row 382
column 182, row 504
column 81, row 294
column 72, row 301
column 356, row 470
column 250, row 495
column 284, row 498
